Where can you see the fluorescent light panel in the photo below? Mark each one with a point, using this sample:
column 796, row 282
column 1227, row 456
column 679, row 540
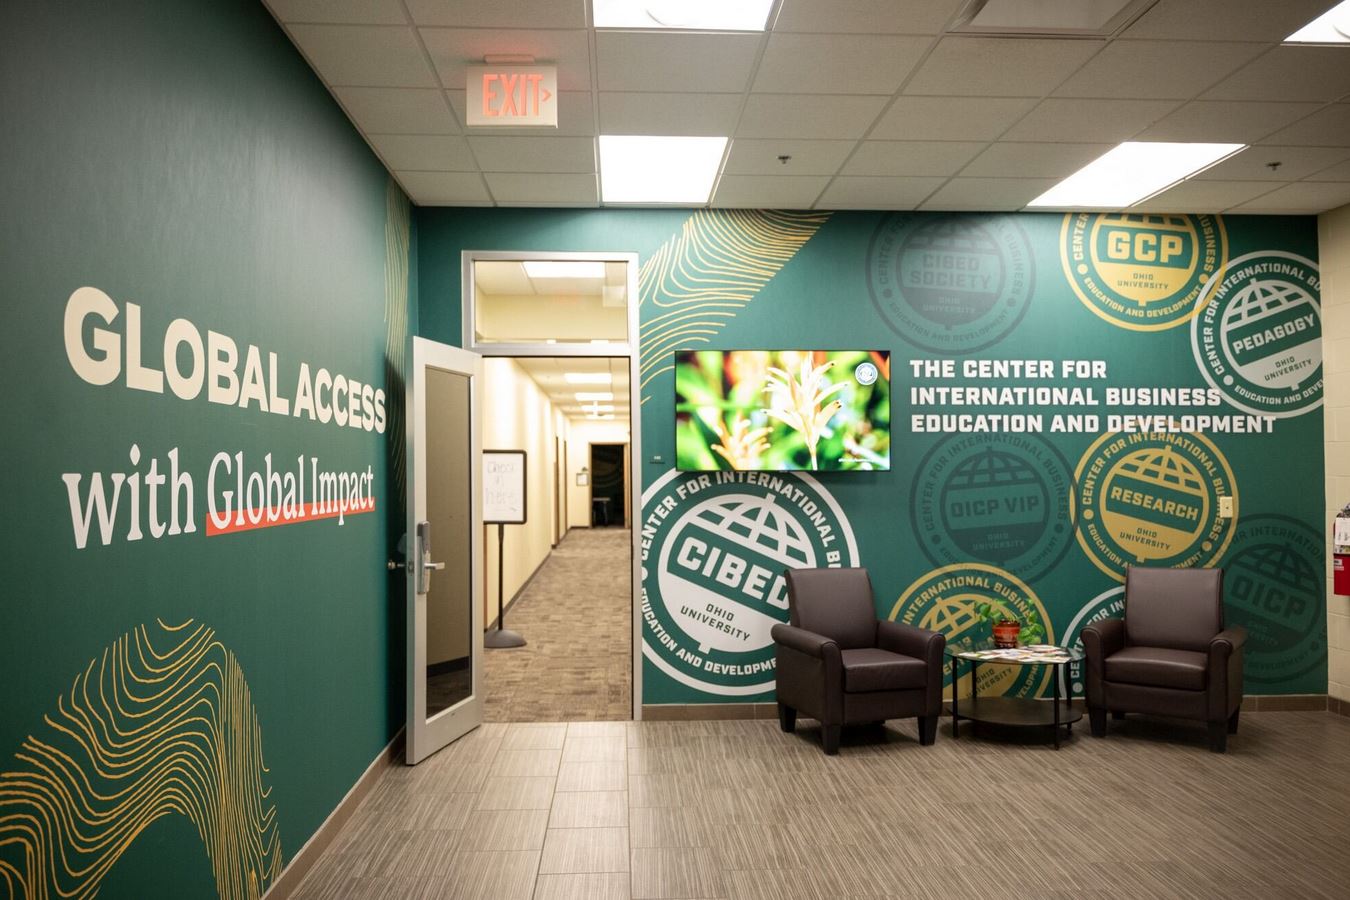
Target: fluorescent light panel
column 1331, row 27
column 642, row 169
column 585, row 396
column 561, row 268
column 588, row 377
column 681, row 15
column 1132, row 172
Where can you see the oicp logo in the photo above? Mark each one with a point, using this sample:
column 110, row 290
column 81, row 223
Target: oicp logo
column 1153, row 499
column 1142, row 272
column 1258, row 336
column 714, row 548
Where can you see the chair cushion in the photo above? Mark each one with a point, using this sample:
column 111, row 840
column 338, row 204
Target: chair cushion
column 870, row 669
column 1158, row 667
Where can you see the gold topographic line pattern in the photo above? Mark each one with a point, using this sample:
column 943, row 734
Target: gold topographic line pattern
column 397, row 217
column 703, row 276
column 161, row 724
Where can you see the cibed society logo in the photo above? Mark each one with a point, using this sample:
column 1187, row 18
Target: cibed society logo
column 1257, row 336
column 1153, row 499
column 1002, row 498
column 1141, row 272
column 950, row 284
column 714, row 548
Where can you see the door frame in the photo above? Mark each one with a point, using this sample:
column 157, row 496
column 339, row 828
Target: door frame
column 629, row 348
column 627, row 474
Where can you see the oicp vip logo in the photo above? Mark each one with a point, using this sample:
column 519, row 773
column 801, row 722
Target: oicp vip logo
column 714, row 549
column 1258, row 336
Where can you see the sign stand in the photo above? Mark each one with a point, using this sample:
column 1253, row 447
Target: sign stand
column 503, row 504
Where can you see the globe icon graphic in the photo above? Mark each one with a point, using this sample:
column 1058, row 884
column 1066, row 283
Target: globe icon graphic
column 994, row 506
column 954, row 616
column 1273, row 590
column 1119, row 264
column 1155, row 503
column 953, row 269
column 1256, row 309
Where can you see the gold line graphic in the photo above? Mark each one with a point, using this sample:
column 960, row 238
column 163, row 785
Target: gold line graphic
column 396, row 237
column 161, row 724
column 703, row 276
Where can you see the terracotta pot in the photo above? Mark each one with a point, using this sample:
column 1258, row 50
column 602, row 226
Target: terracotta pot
column 1006, row 632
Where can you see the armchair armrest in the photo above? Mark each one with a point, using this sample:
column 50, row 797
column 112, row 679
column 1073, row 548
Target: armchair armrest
column 804, row 641
column 1100, row 640
column 1226, row 642
column 908, row 640
column 1225, row 672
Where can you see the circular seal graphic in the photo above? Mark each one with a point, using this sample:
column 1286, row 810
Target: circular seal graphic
column 944, row 600
column 1142, row 272
column 1153, row 499
column 1275, row 585
column 1257, row 338
column 866, row 373
column 1109, row 604
column 1002, row 498
column 713, row 553
column 950, row 284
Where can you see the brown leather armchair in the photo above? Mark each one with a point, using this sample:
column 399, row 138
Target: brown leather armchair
column 1169, row 656
column 838, row 664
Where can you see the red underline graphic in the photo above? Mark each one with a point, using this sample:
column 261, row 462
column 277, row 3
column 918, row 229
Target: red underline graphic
column 272, row 517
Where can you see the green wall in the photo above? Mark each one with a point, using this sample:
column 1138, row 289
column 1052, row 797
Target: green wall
column 182, row 157
column 1042, row 522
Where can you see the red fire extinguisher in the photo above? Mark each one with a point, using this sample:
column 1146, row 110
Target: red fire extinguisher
column 1340, row 560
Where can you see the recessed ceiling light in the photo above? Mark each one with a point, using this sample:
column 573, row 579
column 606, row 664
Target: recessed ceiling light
column 1132, row 172
column 1331, row 27
column 642, row 169
column 588, row 377
column 700, row 15
column 562, row 268
column 583, row 396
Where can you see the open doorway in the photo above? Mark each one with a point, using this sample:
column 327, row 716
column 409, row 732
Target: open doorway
column 609, row 485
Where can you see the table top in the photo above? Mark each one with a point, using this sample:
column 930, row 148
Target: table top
column 1030, row 654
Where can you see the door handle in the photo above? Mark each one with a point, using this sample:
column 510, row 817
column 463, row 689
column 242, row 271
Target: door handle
column 424, row 556
column 433, row 567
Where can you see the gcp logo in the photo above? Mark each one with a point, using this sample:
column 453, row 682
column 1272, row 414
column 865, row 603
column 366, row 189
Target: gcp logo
column 1153, row 499
column 1142, row 272
column 714, row 548
column 1003, row 498
column 950, row 284
column 1258, row 336
column 944, row 600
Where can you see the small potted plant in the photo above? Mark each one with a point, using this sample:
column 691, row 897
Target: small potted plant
column 1008, row 630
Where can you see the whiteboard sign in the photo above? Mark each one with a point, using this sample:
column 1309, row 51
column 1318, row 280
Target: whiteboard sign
column 504, row 487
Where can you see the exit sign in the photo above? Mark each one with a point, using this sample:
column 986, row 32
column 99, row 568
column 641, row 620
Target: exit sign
column 514, row 96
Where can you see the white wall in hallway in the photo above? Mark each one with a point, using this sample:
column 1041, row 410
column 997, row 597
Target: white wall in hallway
column 581, row 433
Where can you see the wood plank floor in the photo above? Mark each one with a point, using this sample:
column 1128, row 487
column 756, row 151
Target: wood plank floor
column 739, row 810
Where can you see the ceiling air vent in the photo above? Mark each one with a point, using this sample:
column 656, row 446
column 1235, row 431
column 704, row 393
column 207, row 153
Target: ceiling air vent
column 1057, row 18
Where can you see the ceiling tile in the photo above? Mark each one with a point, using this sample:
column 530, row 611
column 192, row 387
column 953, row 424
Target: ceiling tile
column 374, row 56
column 829, row 64
column 651, row 113
column 1033, row 160
column 530, row 188
column 444, row 188
column 398, row 110
column 1289, row 73
column 1206, row 196
column 1301, row 197
column 988, row 193
column 1339, row 172
column 847, row 192
column 1088, row 121
column 452, row 49
column 423, row 152
column 769, row 191
column 808, row 116
column 661, row 61
column 575, row 116
column 1226, row 121
column 347, row 12
column 499, row 13
column 760, row 157
column 533, row 154
column 949, row 118
column 1295, row 163
column 867, row 16
column 911, row 157
column 999, row 67
column 1328, row 127
column 1167, row 70
column 1226, row 20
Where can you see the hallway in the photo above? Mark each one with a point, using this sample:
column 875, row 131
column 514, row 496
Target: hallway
column 576, row 615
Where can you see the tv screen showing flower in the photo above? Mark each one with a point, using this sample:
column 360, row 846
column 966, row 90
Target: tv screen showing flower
column 776, row 410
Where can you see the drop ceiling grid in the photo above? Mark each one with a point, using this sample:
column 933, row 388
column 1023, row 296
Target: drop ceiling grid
column 1235, row 86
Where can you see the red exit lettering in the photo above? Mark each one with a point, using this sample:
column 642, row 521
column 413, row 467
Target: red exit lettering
column 507, row 95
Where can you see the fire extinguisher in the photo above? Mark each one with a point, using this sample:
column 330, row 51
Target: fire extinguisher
column 1340, row 545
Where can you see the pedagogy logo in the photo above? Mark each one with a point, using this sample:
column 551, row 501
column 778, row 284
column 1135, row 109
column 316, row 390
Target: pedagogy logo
column 1142, row 272
column 714, row 548
column 1274, row 584
column 950, row 284
column 1153, row 499
column 944, row 600
column 1109, row 604
column 1257, row 338
column 1003, row 498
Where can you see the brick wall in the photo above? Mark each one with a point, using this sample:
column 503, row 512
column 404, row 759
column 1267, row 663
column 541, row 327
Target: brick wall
column 1334, row 241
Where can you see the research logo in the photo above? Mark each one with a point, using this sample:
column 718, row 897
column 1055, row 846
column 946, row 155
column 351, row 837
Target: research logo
column 714, row 549
column 1153, row 499
column 950, row 284
column 1141, row 272
column 1257, row 337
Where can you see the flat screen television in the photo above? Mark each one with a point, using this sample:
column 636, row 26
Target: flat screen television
column 783, row 410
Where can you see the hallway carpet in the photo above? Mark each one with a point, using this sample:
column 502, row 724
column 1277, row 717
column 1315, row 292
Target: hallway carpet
column 577, row 617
